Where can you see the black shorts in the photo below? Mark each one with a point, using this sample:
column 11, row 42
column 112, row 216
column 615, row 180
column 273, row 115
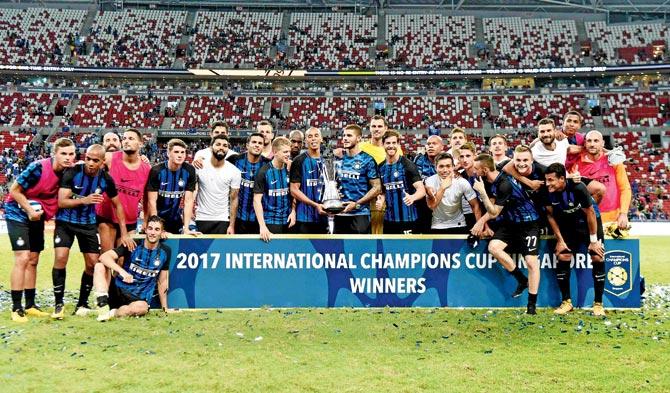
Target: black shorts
column 26, row 235
column 246, row 227
column 278, row 229
column 522, row 238
column 310, row 228
column 129, row 227
column 118, row 297
column 352, row 225
column 173, row 227
column 212, row 227
column 425, row 216
column 575, row 236
column 86, row 234
column 400, row 227
column 470, row 221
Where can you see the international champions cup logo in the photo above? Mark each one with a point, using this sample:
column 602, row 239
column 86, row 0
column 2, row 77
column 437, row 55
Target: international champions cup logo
column 619, row 272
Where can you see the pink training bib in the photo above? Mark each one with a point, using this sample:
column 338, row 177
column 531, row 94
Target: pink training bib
column 130, row 185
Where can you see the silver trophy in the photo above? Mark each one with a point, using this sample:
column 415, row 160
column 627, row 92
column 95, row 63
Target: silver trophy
column 331, row 196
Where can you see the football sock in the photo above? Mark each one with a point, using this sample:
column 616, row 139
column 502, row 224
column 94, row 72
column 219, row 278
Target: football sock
column 29, row 293
column 85, row 289
column 563, row 278
column 17, row 296
column 58, row 278
column 520, row 277
column 598, row 273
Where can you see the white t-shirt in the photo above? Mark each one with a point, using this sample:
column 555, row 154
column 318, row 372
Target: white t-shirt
column 449, row 212
column 206, row 154
column 214, row 185
column 548, row 157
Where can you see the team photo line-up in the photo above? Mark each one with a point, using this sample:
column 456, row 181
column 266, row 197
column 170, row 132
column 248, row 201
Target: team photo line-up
column 565, row 182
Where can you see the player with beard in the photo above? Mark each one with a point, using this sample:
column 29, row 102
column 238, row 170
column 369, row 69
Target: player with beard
column 111, row 142
column 145, row 268
column 218, row 189
column 307, row 186
column 445, row 193
column 81, row 188
column 249, row 163
column 426, row 165
column 575, row 220
column 274, row 207
column 33, row 200
column 358, row 180
column 264, row 127
column 130, row 175
column 171, row 183
column 297, row 140
column 518, row 231
column 498, row 148
column 401, row 186
column 201, row 157
column 593, row 163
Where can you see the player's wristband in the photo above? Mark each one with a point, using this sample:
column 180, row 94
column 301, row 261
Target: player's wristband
column 593, row 238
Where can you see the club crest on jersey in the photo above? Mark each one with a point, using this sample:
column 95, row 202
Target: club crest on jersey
column 619, row 272
column 181, row 183
column 98, row 190
column 357, row 165
column 157, row 262
column 396, row 174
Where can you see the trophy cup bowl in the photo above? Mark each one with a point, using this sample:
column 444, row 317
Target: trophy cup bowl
column 332, row 203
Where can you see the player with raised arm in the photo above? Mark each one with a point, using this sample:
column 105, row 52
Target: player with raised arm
column 274, row 207
column 171, row 183
column 32, row 200
column 518, row 231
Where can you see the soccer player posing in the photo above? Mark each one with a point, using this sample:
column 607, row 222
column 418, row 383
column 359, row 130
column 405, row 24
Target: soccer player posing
column 519, row 230
column 401, row 185
column 25, row 222
column 358, row 181
column 129, row 293
column 575, row 220
column 81, row 188
column 249, row 164
column 169, row 183
column 273, row 204
column 307, row 186
column 218, row 189
column 445, row 194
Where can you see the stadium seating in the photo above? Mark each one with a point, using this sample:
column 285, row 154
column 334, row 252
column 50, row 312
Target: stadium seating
column 134, row 38
column 540, row 42
column 331, row 112
column 25, row 109
column 629, row 43
column 118, row 111
column 632, row 110
column 202, row 111
column 14, row 140
column 431, row 41
column 332, row 41
column 38, row 35
column 237, row 38
column 420, row 112
column 526, row 111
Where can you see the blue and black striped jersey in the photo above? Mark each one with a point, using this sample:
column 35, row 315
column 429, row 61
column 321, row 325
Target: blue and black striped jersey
column 308, row 172
column 425, row 166
column 274, row 185
column 353, row 179
column 517, row 205
column 26, row 179
column 245, row 209
column 144, row 265
column 83, row 185
column 397, row 180
column 171, row 186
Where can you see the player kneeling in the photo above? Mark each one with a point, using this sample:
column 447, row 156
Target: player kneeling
column 129, row 293
column 574, row 217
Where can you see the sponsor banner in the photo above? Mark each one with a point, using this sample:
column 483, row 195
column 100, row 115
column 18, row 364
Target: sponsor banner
column 357, row 271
